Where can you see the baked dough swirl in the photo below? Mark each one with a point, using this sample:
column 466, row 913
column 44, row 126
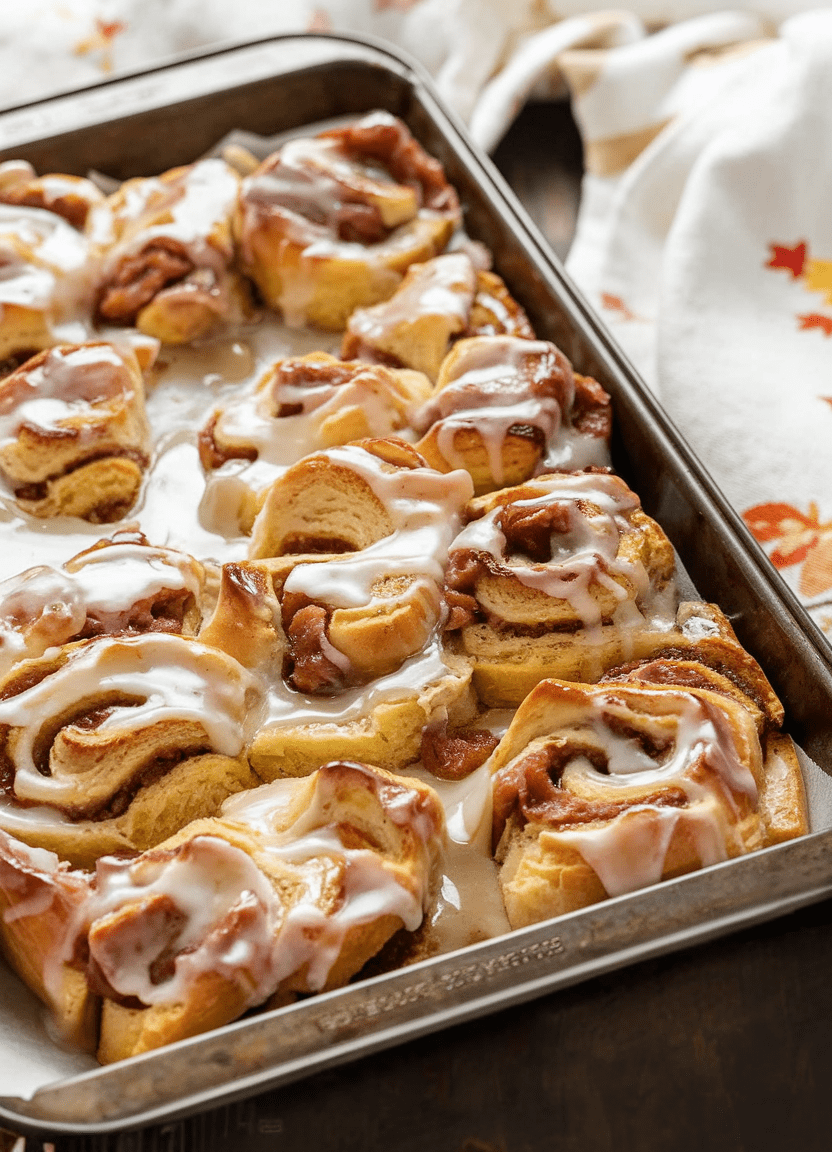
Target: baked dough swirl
column 121, row 585
column 168, row 253
column 290, row 891
column 301, row 404
column 74, row 437
column 329, row 224
column 113, row 743
column 340, row 607
column 603, row 789
column 49, row 271
column 437, row 303
column 505, row 408
column 563, row 576
column 71, row 197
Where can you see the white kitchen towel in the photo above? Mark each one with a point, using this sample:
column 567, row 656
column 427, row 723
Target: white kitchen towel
column 705, row 231
column 705, row 239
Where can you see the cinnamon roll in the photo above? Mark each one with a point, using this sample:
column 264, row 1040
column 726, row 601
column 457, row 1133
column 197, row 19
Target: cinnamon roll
column 121, row 585
column 342, row 598
column 71, row 197
column 289, row 892
column 563, row 576
column 603, row 789
column 112, row 744
column 505, row 408
column 47, row 283
column 301, row 404
column 40, row 902
column 74, row 437
column 330, row 223
column 168, row 253
column 437, row 303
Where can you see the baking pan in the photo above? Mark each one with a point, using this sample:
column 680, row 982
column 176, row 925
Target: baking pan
column 173, row 114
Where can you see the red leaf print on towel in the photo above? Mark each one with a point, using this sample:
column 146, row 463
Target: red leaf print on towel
column 792, row 259
column 816, row 320
column 801, row 539
column 101, row 41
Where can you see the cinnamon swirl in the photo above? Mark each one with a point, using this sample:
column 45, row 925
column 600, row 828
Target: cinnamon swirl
column 290, row 891
column 343, row 598
column 603, row 789
column 437, row 303
column 505, row 408
column 118, row 586
column 74, row 438
column 329, row 224
column 113, row 743
column 71, row 197
column 301, row 404
column 563, row 576
column 168, row 253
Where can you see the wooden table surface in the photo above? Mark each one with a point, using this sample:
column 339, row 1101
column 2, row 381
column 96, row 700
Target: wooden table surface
column 720, row 1048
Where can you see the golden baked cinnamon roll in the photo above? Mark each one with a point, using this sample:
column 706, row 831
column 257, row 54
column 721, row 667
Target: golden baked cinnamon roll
column 603, row 789
column 71, row 197
column 563, row 576
column 702, row 651
column 41, row 910
column 47, row 282
column 505, row 408
column 329, row 224
column 437, row 303
column 112, row 744
column 168, row 251
column 118, row 586
column 301, row 404
column 344, row 589
column 74, row 437
column 290, row 891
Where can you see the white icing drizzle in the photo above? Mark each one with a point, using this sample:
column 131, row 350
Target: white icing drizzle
column 444, row 286
column 248, row 420
column 286, row 708
column 45, row 265
column 309, row 184
column 193, row 209
column 424, row 506
column 167, row 677
column 628, row 851
column 598, row 508
column 46, row 606
column 15, row 175
column 89, row 381
column 215, row 886
column 489, row 386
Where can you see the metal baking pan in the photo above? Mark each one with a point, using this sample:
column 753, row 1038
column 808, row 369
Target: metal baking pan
column 173, row 114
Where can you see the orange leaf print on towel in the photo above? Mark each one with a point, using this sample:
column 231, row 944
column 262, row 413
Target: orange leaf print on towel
column 818, row 278
column 616, row 304
column 792, row 259
column 101, row 41
column 816, row 320
column 800, row 539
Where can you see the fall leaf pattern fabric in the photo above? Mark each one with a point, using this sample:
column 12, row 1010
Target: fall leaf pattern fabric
column 704, row 237
column 709, row 255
